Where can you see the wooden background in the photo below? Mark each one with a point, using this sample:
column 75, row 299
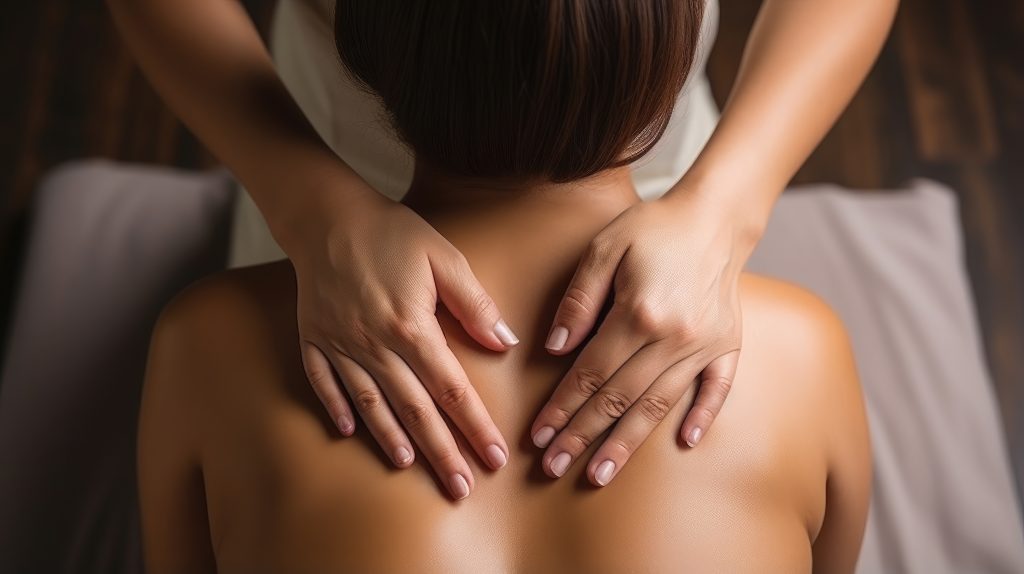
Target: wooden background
column 946, row 101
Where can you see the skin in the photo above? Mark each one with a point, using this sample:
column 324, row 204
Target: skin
column 239, row 472
column 803, row 62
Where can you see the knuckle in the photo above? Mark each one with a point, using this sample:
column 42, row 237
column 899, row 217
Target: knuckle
column 684, row 330
column 612, row 404
column 559, row 416
column 364, row 339
column 368, row 400
column 645, row 317
column 720, row 386
column 621, row 444
column 731, row 329
column 393, row 439
column 707, row 413
column 319, row 379
column 599, row 251
column 480, row 303
column 684, row 325
column 334, row 405
column 654, row 408
column 447, row 458
column 453, row 397
column 477, row 434
column 578, row 440
column 457, row 260
column 577, row 303
column 588, row 381
column 415, row 416
column 407, row 328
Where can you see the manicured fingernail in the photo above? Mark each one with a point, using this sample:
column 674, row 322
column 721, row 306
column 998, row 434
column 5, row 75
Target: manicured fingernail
column 504, row 334
column 543, row 437
column 560, row 463
column 557, row 338
column 346, row 425
column 694, row 437
column 460, row 488
column 604, row 472
column 496, row 456
column 402, row 455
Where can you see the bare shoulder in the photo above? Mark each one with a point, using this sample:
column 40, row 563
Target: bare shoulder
column 220, row 329
column 798, row 319
column 222, row 300
column 207, row 343
column 803, row 338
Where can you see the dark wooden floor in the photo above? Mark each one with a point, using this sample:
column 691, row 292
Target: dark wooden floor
column 945, row 101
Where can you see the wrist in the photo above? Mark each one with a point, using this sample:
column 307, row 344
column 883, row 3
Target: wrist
column 737, row 206
column 316, row 203
column 736, row 216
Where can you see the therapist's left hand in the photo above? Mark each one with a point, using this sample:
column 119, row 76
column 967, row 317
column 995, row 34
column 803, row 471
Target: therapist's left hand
column 673, row 265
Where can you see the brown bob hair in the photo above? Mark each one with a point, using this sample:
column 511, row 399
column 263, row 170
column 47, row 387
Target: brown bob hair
column 522, row 89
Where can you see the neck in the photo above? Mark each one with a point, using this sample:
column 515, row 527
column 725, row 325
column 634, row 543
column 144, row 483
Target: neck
column 523, row 241
column 437, row 193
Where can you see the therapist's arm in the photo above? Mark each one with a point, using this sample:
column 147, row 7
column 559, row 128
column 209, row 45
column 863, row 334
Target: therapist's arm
column 207, row 61
column 675, row 262
column 803, row 63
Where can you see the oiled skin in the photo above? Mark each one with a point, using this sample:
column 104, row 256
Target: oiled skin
column 238, row 465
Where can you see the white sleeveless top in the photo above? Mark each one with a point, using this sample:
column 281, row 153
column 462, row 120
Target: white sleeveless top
column 353, row 123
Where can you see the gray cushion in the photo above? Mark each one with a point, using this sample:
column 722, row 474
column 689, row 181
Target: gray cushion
column 109, row 245
column 891, row 264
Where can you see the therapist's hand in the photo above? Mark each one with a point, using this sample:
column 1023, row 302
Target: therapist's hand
column 368, row 286
column 673, row 265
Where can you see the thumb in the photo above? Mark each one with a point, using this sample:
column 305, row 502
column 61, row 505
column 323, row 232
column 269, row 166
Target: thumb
column 466, row 299
column 583, row 300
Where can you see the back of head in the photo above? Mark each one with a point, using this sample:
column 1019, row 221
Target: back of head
column 522, row 89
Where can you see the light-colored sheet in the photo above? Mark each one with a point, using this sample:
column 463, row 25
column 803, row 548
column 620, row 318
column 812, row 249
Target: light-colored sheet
column 892, row 266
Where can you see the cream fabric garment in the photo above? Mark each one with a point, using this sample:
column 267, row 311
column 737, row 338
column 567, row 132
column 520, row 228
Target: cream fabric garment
column 353, row 123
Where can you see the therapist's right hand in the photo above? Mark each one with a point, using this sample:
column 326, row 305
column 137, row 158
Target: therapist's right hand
column 369, row 278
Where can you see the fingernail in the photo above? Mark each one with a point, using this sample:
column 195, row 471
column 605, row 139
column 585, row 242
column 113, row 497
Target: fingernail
column 496, row 456
column 560, row 463
column 543, row 437
column 504, row 334
column 402, row 455
column 604, row 472
column 557, row 338
column 460, row 488
column 694, row 437
column 346, row 425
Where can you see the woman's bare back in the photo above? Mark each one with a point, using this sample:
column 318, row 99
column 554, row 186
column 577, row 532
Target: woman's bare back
column 281, row 491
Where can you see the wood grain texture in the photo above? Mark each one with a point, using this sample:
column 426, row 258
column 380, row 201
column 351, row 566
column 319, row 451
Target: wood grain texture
column 946, row 101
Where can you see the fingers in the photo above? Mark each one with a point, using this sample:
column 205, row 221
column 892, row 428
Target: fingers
column 715, row 383
column 640, row 421
column 610, row 348
column 466, row 299
column 583, row 299
column 327, row 387
column 374, row 409
column 416, row 410
column 607, row 406
column 435, row 364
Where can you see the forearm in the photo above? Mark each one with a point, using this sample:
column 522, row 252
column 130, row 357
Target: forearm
column 207, row 61
column 803, row 63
